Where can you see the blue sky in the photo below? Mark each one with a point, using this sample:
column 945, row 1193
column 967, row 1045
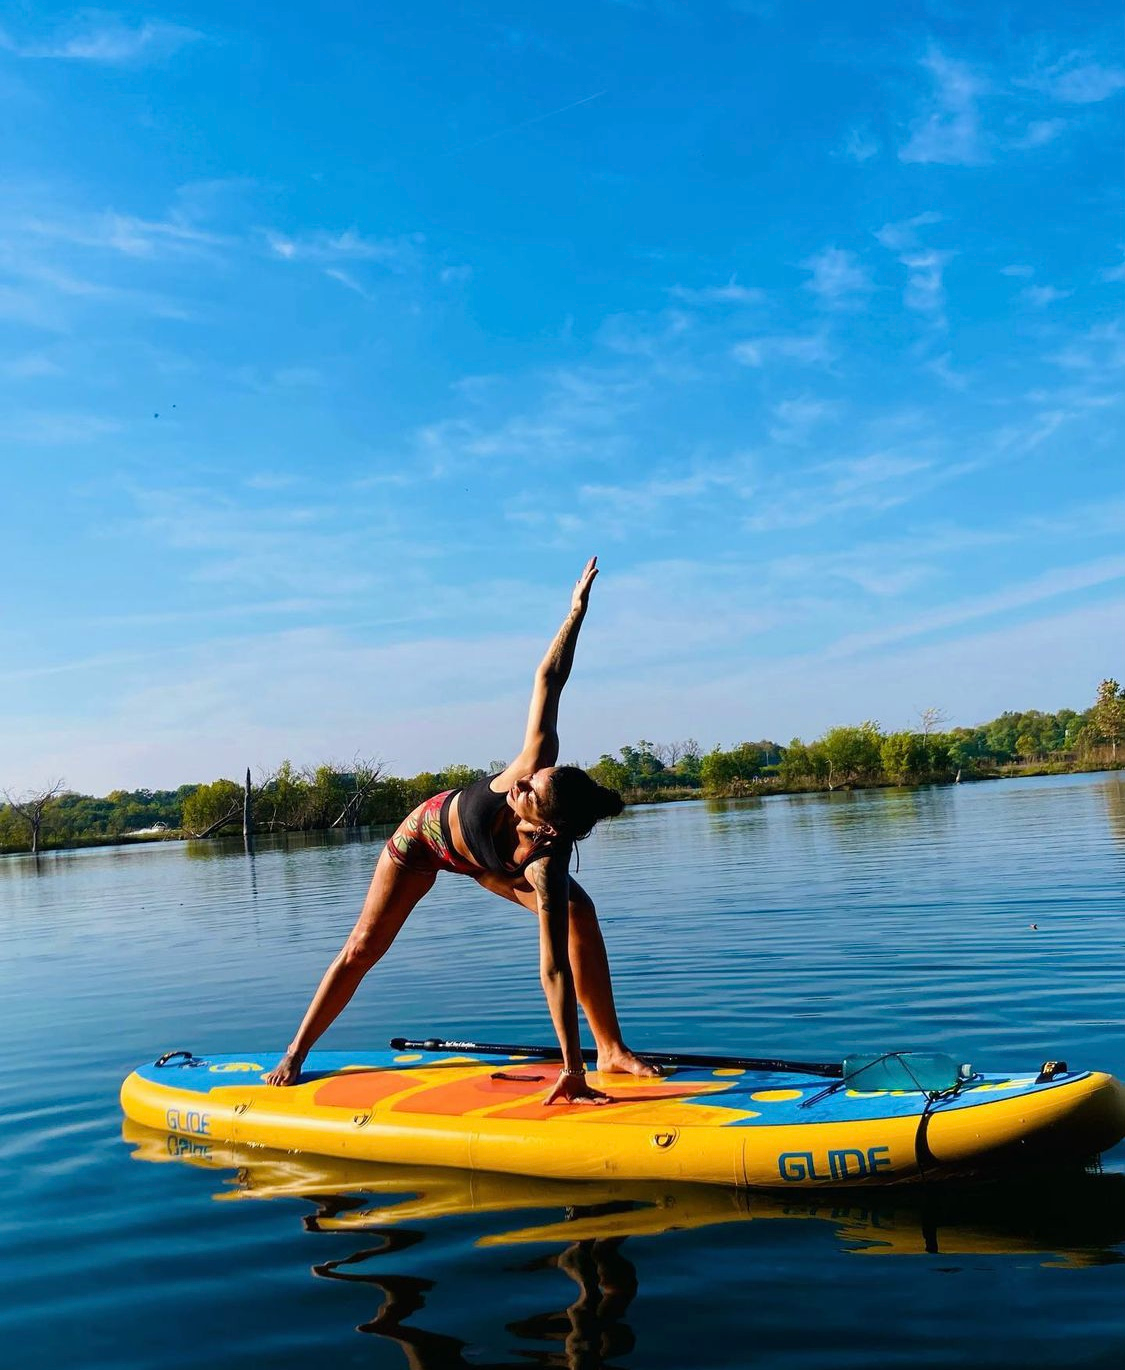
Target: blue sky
column 333, row 341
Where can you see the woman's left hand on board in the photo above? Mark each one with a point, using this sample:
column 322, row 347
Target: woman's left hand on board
column 574, row 1089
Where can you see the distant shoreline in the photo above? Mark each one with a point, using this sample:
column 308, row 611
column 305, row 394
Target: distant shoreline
column 760, row 789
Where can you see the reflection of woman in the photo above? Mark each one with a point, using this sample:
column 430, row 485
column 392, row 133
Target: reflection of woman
column 513, row 833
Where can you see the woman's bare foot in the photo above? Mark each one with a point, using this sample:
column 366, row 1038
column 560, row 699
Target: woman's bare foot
column 286, row 1072
column 621, row 1061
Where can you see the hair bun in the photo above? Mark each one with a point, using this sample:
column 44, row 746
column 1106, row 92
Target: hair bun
column 577, row 802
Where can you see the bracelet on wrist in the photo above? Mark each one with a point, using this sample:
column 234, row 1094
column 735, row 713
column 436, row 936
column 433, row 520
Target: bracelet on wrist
column 580, row 1071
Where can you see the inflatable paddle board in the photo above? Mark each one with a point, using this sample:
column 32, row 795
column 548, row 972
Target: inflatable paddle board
column 721, row 1125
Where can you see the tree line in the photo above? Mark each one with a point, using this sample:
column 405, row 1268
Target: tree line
column 360, row 794
column 864, row 754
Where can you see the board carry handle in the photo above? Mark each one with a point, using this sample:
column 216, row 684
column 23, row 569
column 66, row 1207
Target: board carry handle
column 829, row 1069
column 171, row 1056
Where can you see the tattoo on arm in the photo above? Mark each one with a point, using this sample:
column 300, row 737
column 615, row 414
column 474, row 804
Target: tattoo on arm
column 560, row 654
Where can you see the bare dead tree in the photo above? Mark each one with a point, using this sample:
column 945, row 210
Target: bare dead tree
column 231, row 816
column 272, row 791
column 365, row 772
column 242, row 798
column 31, row 805
column 247, row 812
column 931, row 720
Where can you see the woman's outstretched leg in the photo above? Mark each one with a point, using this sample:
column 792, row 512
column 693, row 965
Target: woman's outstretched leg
column 393, row 893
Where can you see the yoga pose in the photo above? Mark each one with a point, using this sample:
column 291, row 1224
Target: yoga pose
column 513, row 833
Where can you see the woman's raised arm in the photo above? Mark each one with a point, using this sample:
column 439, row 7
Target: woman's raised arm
column 541, row 739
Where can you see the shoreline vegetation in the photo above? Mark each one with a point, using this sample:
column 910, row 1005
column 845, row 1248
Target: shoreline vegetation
column 331, row 797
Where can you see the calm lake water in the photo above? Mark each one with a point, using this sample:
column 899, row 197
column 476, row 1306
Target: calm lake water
column 986, row 919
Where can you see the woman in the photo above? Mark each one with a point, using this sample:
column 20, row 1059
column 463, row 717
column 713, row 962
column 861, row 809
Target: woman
column 513, row 833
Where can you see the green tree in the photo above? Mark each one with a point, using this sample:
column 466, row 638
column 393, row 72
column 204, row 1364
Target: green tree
column 642, row 762
column 904, row 757
column 690, row 759
column 853, row 754
column 730, row 772
column 213, row 807
column 282, row 799
column 939, row 761
column 1027, row 746
column 1108, row 714
column 457, row 777
column 1001, row 734
column 608, row 771
column 796, row 764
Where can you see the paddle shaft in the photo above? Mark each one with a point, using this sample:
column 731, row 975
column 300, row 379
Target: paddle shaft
column 830, row 1070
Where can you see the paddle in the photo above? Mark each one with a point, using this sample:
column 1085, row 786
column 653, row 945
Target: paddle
column 830, row 1070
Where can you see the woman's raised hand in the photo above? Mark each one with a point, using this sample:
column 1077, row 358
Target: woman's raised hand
column 581, row 595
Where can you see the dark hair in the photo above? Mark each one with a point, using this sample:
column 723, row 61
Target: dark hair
column 575, row 802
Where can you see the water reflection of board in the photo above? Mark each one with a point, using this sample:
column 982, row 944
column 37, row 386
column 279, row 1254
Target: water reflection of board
column 1076, row 1219
column 724, row 1126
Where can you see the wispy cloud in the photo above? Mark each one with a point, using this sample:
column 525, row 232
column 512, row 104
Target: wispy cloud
column 31, row 366
column 887, row 567
column 794, row 419
column 126, row 234
column 347, row 246
column 942, row 367
column 574, row 413
column 730, row 478
column 871, row 484
column 925, row 291
column 949, row 133
column 1060, row 581
column 338, row 254
column 730, row 293
column 1115, row 273
column 1077, row 80
column 661, row 339
column 900, row 236
column 1018, row 270
column 807, row 349
column 247, row 540
column 1039, row 133
column 110, row 41
column 860, row 144
column 839, row 279
column 1040, row 296
column 51, row 429
column 29, row 307
column 524, row 123
column 54, row 283
column 1097, row 350
column 348, row 281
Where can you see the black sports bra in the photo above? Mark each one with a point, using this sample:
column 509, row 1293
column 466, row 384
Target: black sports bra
column 477, row 808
